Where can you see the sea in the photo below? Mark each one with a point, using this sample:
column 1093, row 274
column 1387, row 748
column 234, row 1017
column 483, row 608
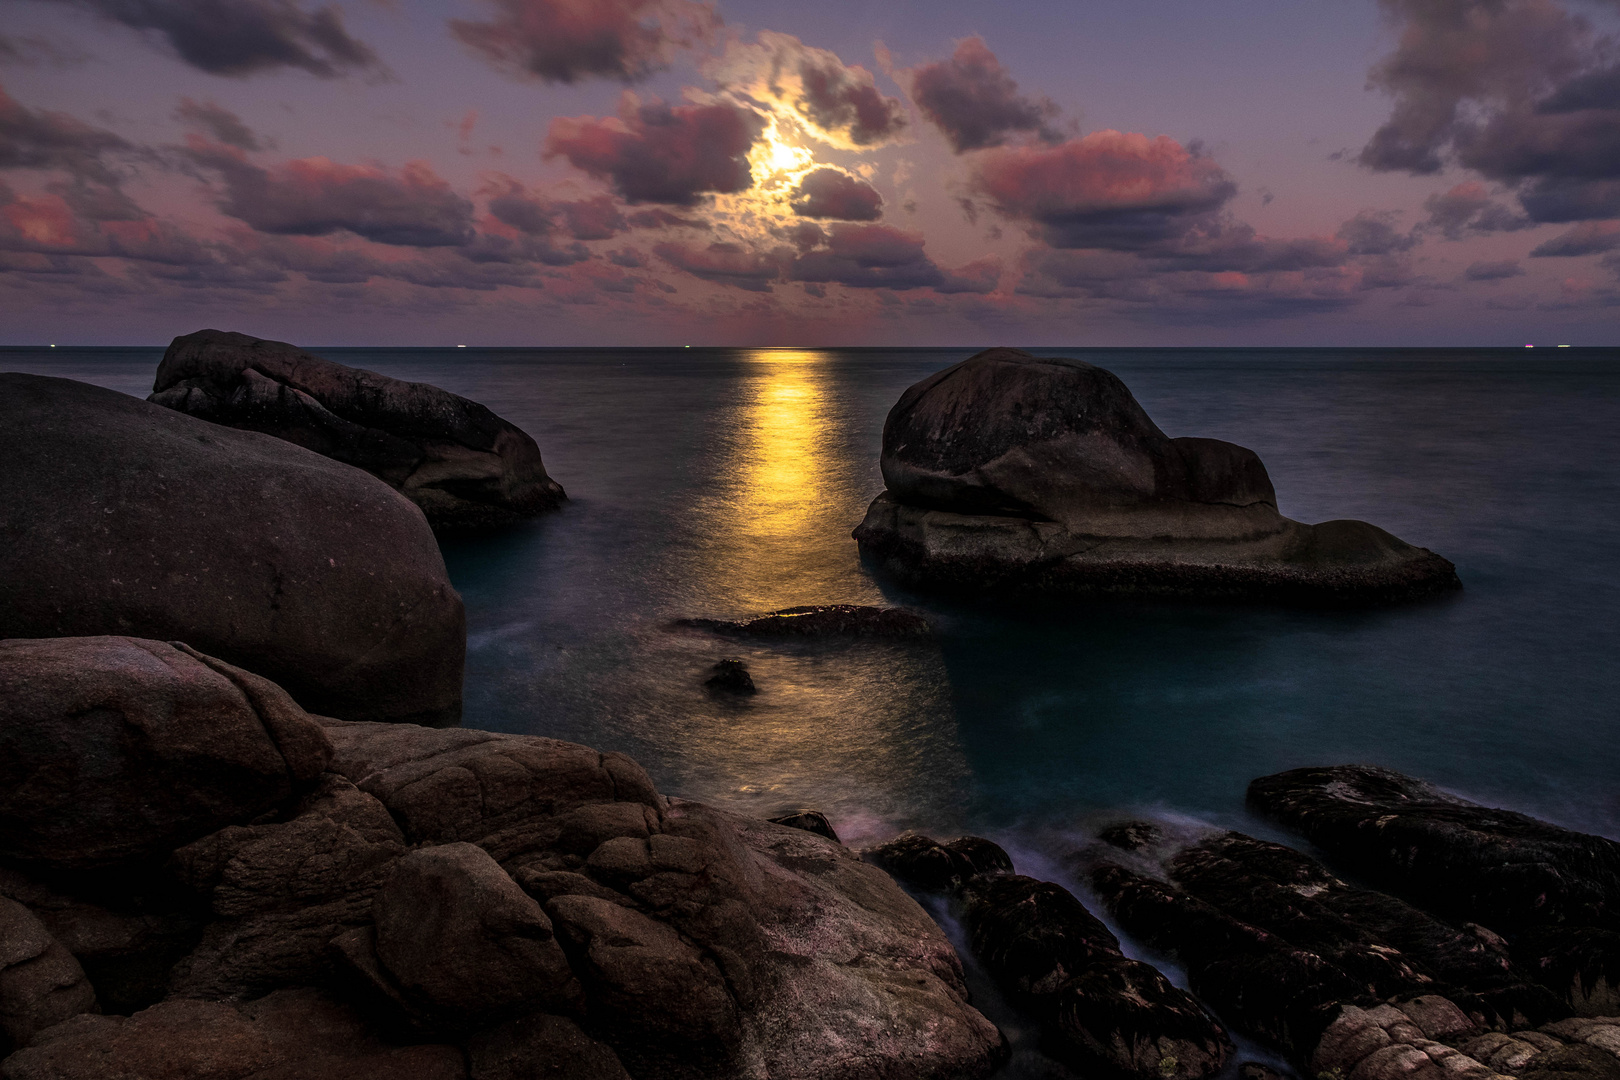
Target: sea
column 724, row 483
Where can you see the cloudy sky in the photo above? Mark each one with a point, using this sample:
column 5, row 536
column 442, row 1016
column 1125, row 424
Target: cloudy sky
column 764, row 172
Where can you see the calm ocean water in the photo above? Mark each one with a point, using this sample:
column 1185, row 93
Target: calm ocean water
column 726, row 482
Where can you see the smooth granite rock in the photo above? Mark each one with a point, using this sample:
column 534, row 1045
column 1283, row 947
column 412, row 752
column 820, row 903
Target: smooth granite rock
column 1019, row 475
column 114, row 749
column 122, row 517
column 463, row 465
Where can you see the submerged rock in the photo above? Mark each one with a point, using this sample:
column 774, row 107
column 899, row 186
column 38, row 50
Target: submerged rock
column 463, row 465
column 1554, row 893
column 1015, row 474
column 120, row 517
column 821, row 620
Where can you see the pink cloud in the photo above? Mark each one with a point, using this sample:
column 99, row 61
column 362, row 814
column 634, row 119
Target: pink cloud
column 832, row 193
column 975, row 103
column 660, row 153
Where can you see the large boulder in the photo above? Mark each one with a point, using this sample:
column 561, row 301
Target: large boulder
column 121, row 517
column 1554, row 893
column 41, row 984
column 463, row 465
column 115, row 749
column 1020, row 474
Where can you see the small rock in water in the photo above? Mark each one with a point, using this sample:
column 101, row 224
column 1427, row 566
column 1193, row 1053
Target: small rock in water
column 810, row 821
column 924, row 863
column 731, row 677
column 821, row 620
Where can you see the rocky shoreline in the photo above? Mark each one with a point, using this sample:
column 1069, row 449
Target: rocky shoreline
column 239, row 841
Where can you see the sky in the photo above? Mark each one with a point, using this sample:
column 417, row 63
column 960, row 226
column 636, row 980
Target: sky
column 766, row 173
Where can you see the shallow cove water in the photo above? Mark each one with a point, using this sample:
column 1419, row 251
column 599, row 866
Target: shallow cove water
column 725, row 482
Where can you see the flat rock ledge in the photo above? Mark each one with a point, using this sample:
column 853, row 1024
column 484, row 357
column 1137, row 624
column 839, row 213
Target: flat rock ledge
column 819, row 621
column 1015, row 475
column 465, row 467
column 389, row 900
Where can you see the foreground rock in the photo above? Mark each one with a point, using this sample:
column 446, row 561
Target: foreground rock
column 443, row 900
column 463, row 465
column 1554, row 893
column 120, row 517
column 821, row 621
column 1016, row 474
column 1099, row 1012
column 116, row 749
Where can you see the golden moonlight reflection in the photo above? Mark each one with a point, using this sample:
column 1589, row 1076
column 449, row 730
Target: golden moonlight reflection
column 784, row 506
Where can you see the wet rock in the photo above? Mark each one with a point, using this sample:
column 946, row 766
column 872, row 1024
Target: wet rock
column 730, row 676
column 121, row 517
column 296, row 1034
column 821, row 621
column 1258, row 1070
column 1496, row 867
column 811, row 821
column 463, row 465
column 1554, row 893
column 924, row 863
column 1346, row 981
column 114, row 749
column 41, row 984
column 1099, row 1011
column 1013, row 474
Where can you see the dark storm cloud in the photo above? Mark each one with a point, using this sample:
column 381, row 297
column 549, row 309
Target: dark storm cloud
column 597, row 218
column 564, row 41
column 661, row 153
column 31, row 139
column 1524, row 92
column 1105, row 190
column 1587, row 238
column 832, row 193
column 835, row 99
column 244, row 37
column 1468, row 208
column 975, row 103
column 1493, row 271
column 317, row 197
column 219, row 122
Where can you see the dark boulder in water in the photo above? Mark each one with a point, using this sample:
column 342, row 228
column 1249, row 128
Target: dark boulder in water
column 464, row 466
column 1014, row 474
column 730, row 676
column 820, row 621
column 1554, row 893
column 120, row 517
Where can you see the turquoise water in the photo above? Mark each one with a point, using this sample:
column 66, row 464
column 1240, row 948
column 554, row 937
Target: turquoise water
column 726, row 482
